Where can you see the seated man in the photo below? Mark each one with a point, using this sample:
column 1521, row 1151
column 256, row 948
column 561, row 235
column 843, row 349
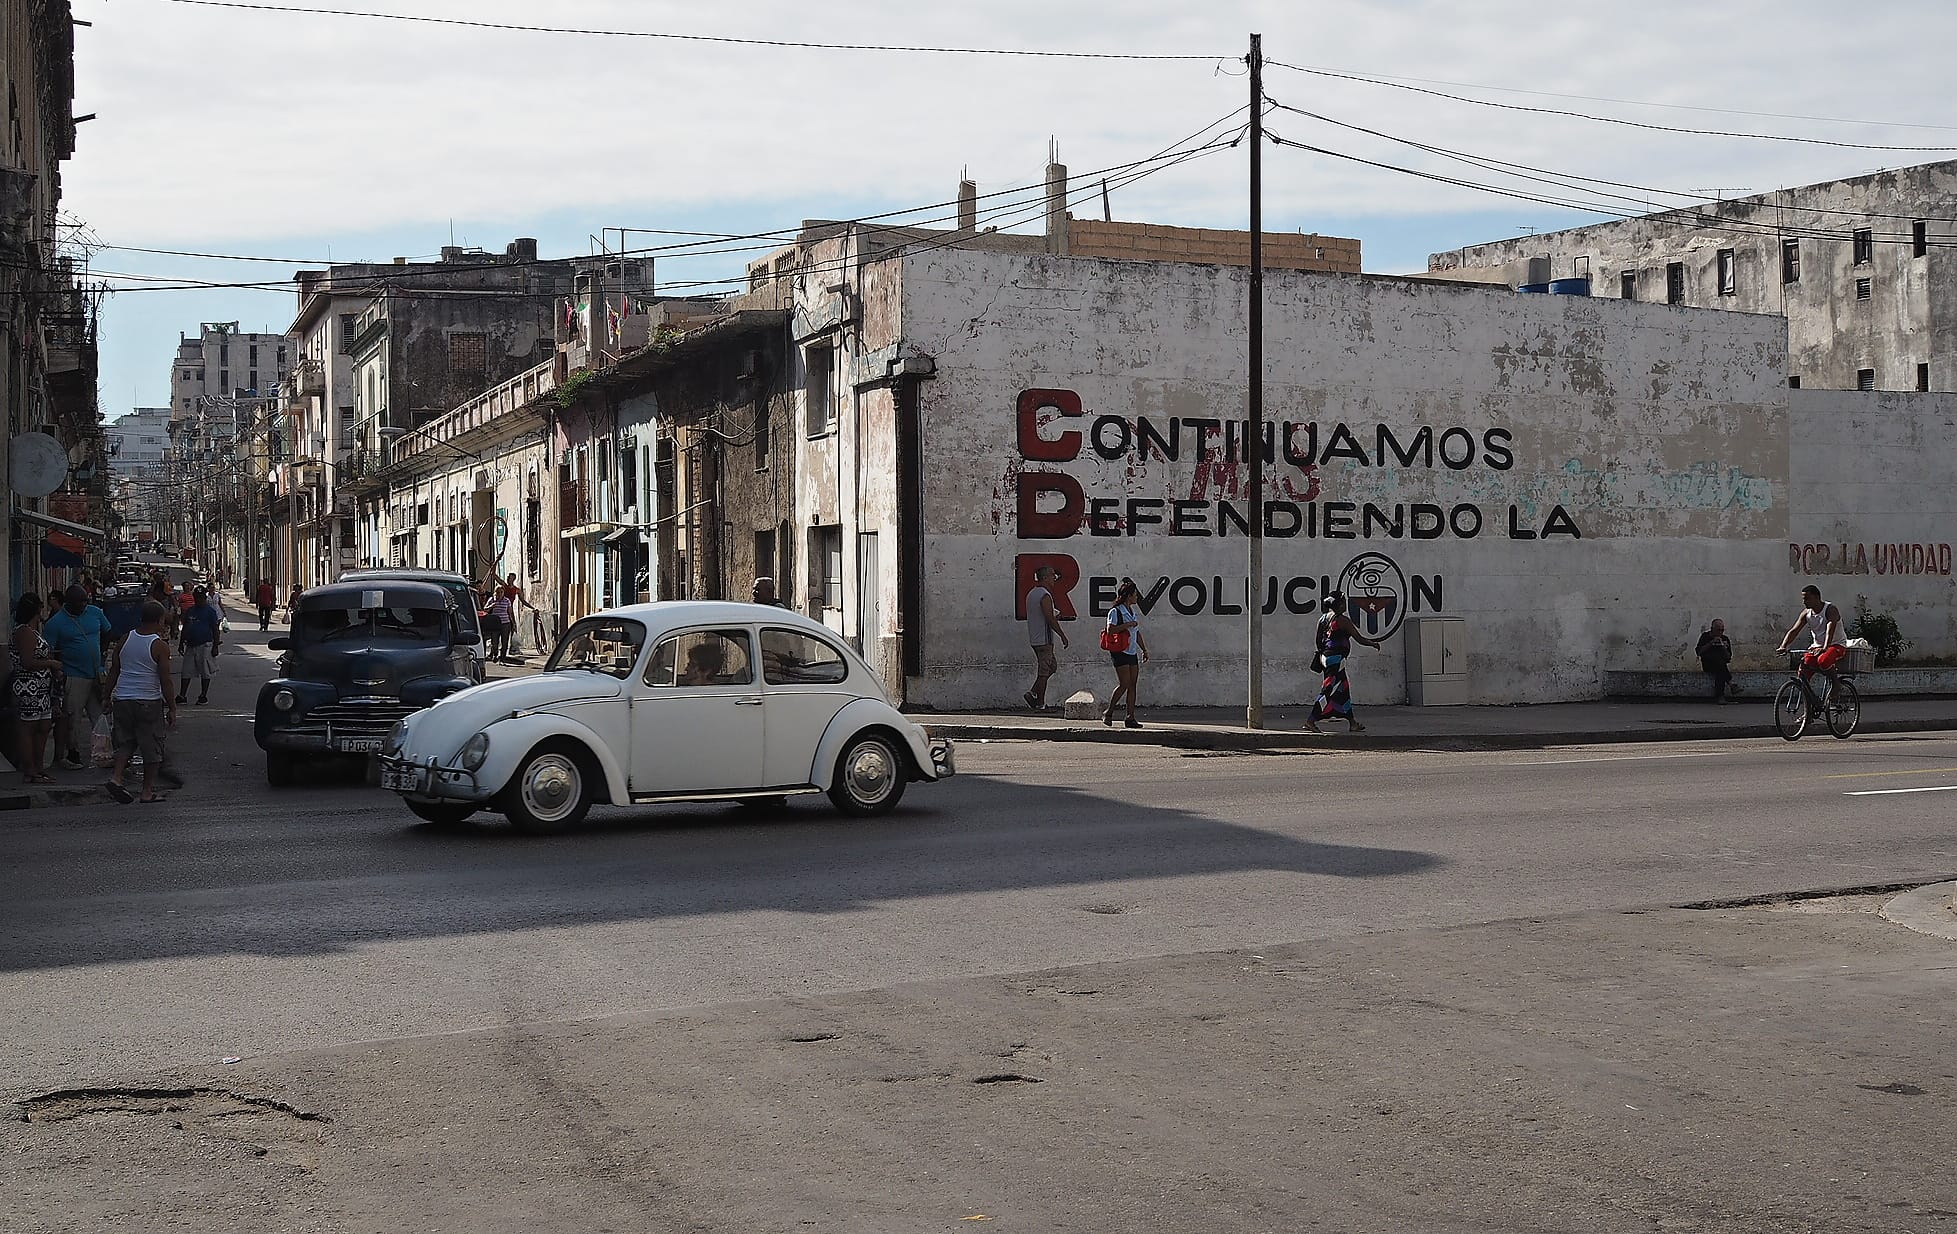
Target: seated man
column 703, row 661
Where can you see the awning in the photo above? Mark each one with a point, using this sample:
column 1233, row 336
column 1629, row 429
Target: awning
column 54, row 557
column 622, row 533
column 60, row 524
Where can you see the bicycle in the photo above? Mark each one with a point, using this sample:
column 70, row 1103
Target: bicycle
column 1796, row 705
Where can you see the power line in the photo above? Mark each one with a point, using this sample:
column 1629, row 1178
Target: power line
column 692, row 38
column 1391, row 78
column 389, row 276
column 1636, row 124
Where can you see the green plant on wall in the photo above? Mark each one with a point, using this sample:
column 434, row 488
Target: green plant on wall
column 1882, row 632
column 567, row 394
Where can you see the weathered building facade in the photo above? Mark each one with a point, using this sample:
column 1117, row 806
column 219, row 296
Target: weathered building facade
column 1864, row 270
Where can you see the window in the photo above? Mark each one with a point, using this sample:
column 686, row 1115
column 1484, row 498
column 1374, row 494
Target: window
column 601, row 644
column 818, row 380
column 1627, row 285
column 223, row 380
column 347, row 323
column 281, row 355
column 1728, row 284
column 467, row 365
column 1790, row 261
column 224, row 355
column 1919, row 238
column 1675, row 283
column 1923, row 377
column 1864, row 246
column 826, row 564
column 1793, row 381
column 789, row 658
column 254, row 381
column 1865, row 379
column 1864, row 288
column 254, row 355
column 701, row 658
column 764, row 556
column 533, row 535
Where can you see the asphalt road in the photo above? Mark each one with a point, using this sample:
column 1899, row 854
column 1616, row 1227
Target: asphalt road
column 236, row 921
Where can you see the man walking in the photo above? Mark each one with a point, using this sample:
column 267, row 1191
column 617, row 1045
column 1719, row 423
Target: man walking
column 267, row 599
column 78, row 635
column 199, row 643
column 140, row 704
column 1042, row 626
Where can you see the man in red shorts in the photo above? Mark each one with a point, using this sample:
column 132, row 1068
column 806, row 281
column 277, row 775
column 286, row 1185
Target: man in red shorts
column 1822, row 621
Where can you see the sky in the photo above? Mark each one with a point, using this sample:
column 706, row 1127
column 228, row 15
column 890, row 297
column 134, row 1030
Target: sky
column 303, row 138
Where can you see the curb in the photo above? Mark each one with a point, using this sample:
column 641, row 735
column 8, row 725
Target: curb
column 1928, row 910
column 1328, row 743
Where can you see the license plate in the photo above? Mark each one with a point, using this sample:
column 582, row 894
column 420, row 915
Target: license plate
column 360, row 745
column 400, row 781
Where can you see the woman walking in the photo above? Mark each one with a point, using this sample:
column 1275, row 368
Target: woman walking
column 1335, row 637
column 34, row 667
column 1126, row 648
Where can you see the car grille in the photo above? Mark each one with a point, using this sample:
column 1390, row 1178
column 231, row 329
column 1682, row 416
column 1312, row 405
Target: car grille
column 354, row 717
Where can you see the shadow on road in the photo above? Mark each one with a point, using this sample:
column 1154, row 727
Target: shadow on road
column 284, row 889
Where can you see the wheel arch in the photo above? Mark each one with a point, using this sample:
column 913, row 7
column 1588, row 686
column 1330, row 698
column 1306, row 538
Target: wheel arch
column 865, row 715
column 511, row 742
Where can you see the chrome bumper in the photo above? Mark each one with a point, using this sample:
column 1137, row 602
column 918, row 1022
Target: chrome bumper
column 430, row 781
column 943, row 762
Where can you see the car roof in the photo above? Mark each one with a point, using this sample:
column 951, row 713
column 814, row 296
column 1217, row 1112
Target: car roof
column 413, row 593
column 664, row 615
column 404, row 572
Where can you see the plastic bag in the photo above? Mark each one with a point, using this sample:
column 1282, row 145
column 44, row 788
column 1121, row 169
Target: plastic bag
column 100, row 749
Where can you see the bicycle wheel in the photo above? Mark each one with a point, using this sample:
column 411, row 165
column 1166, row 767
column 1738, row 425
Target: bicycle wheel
column 1844, row 709
column 1791, row 711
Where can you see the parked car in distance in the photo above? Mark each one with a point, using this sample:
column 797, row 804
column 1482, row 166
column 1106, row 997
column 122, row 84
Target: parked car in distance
column 361, row 656
column 684, row 700
column 460, row 589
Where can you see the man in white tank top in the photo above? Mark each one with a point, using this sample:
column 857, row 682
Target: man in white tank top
column 1823, row 623
column 140, row 704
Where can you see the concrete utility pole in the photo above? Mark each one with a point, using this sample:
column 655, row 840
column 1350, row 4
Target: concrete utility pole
column 1254, row 590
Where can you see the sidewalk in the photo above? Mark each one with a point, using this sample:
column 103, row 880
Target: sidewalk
column 1451, row 728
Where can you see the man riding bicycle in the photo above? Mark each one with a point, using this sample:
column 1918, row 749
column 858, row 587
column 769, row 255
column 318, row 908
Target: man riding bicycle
column 1822, row 621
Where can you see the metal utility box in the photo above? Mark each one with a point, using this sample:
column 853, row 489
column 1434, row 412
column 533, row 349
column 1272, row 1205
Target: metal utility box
column 1437, row 661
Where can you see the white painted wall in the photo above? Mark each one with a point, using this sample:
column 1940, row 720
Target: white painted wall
column 1663, row 435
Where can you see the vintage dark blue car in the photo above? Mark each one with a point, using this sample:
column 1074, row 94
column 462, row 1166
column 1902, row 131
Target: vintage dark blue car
column 361, row 657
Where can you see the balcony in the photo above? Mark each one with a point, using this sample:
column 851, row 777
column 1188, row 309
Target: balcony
column 308, row 377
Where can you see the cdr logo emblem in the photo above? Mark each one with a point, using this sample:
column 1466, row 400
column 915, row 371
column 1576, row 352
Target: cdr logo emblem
column 1375, row 594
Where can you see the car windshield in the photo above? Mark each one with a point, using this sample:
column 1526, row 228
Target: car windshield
column 601, row 645
column 396, row 625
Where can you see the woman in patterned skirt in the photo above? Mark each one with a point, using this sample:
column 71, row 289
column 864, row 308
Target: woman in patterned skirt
column 1335, row 637
column 34, row 667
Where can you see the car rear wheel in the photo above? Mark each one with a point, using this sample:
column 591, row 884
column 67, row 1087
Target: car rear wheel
column 442, row 814
column 870, row 776
column 280, row 771
column 551, row 790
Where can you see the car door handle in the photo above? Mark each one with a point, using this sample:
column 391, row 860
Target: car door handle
column 747, row 702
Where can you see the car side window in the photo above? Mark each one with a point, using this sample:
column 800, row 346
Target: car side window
column 702, row 658
column 790, row 658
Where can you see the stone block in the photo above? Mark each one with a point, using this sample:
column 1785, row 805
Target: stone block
column 1082, row 706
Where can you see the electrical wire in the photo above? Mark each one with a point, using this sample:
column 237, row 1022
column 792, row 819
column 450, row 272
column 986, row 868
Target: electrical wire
column 395, row 277
column 300, row 10
column 1636, row 124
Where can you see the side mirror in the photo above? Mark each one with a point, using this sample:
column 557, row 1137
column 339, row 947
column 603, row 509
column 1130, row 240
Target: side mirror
column 278, row 643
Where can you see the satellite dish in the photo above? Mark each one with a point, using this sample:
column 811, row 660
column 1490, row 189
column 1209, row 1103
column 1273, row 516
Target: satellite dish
column 38, row 465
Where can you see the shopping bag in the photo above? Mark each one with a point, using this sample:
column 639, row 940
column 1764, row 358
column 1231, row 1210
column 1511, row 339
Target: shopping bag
column 100, row 749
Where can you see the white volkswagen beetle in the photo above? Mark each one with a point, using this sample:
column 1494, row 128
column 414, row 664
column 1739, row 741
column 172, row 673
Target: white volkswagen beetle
column 686, row 700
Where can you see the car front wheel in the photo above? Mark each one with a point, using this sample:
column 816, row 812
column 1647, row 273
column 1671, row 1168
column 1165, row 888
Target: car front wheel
column 551, row 790
column 870, row 776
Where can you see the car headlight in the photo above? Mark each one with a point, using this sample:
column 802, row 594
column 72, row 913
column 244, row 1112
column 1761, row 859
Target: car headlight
column 397, row 737
column 474, row 752
column 285, row 700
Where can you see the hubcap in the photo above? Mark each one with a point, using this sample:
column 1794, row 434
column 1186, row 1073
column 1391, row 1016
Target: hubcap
column 551, row 787
column 871, row 772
